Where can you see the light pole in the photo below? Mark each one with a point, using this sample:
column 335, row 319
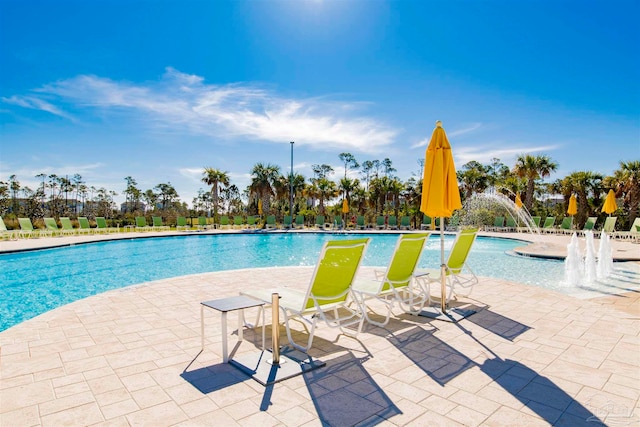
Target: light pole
column 291, row 185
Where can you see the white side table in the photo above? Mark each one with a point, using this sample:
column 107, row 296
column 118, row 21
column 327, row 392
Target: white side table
column 225, row 305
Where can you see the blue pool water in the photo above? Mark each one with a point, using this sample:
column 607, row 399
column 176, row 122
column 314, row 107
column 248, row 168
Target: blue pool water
column 34, row 282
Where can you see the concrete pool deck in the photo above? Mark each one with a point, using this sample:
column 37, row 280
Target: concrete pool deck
column 529, row 356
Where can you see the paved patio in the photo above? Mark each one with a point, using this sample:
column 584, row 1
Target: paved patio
column 529, row 356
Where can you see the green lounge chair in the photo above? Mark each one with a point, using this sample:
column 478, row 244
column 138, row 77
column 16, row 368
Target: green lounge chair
column 405, row 223
column 338, row 224
column 536, row 222
column 397, row 284
column 380, row 225
column 67, row 226
column 224, row 222
column 608, row 227
column 320, row 221
column 251, row 221
column 52, row 227
column 510, row 224
column 426, row 223
column 7, row 234
column 85, row 226
column 498, row 224
column 631, row 234
column 566, row 227
column 141, row 224
column 181, row 223
column 360, row 225
column 456, row 265
column 271, row 222
column 202, row 223
column 548, row 226
column 158, row 225
column 286, row 223
column 27, row 230
column 327, row 296
column 299, row 221
column 393, row 222
column 238, row 222
column 101, row 225
column 590, row 224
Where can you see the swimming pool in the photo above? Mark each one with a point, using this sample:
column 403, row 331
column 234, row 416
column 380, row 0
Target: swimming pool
column 34, row 282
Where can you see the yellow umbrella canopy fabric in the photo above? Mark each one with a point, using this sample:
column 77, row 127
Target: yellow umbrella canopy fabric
column 440, row 192
column 345, row 206
column 573, row 205
column 610, row 205
column 259, row 206
column 518, row 201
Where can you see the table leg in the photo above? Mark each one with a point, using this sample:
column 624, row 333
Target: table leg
column 202, row 325
column 240, row 325
column 225, row 351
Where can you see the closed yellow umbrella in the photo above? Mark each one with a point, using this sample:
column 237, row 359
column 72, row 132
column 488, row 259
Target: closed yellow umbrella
column 518, row 201
column 345, row 206
column 573, row 205
column 259, row 206
column 440, row 192
column 610, row 205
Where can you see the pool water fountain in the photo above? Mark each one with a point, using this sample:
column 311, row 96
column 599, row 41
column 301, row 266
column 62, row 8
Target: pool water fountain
column 573, row 268
column 582, row 270
column 589, row 258
column 491, row 198
column 604, row 267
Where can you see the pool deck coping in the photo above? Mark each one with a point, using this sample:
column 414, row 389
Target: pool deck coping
column 536, row 245
column 129, row 357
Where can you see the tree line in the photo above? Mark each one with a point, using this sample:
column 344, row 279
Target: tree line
column 371, row 188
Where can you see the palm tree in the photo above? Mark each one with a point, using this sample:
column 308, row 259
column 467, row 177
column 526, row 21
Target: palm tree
column 627, row 185
column 533, row 168
column 214, row 178
column 583, row 184
column 327, row 190
column 263, row 183
column 473, row 178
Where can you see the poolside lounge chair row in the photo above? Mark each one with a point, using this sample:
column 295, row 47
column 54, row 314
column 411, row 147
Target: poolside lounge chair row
column 51, row 229
column 339, row 298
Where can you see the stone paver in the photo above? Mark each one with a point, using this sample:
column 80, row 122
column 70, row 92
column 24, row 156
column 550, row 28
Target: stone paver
column 132, row 357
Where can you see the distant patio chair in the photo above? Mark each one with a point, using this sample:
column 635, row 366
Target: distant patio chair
column 392, row 222
column 85, row 226
column 271, row 222
column 548, row 226
column 67, row 226
column 426, row 223
column 405, row 223
column 7, row 234
column 181, row 223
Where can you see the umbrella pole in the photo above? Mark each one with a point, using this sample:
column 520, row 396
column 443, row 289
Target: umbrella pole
column 443, row 271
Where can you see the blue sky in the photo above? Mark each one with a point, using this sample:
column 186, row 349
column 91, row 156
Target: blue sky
column 158, row 90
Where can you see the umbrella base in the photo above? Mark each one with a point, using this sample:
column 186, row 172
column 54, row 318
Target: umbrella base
column 452, row 315
column 261, row 368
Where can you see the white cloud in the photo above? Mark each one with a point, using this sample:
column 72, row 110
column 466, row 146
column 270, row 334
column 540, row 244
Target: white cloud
column 185, row 102
column 37, row 104
column 457, row 132
column 484, row 154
